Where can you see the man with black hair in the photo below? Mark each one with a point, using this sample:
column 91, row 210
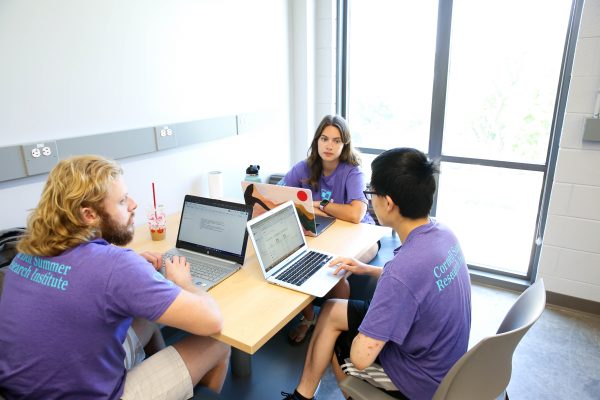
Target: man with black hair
column 417, row 324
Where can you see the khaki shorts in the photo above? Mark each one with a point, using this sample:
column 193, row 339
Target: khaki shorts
column 162, row 376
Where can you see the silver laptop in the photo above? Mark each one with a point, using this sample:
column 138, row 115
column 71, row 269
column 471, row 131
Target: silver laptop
column 212, row 237
column 284, row 256
column 312, row 223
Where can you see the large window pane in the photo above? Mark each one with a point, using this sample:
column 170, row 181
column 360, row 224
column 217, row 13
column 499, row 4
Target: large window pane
column 492, row 211
column 366, row 160
column 500, row 89
column 391, row 49
column 505, row 63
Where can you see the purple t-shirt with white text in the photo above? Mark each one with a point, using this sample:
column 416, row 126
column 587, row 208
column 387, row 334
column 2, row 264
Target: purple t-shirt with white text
column 422, row 310
column 63, row 320
column 343, row 186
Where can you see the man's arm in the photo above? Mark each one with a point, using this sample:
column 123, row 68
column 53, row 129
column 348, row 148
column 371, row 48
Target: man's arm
column 193, row 310
column 153, row 258
column 364, row 351
column 355, row 266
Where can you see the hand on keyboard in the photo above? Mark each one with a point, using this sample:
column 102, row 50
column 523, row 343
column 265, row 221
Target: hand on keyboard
column 348, row 264
column 177, row 269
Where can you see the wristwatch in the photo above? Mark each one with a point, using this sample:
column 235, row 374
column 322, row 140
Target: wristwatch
column 323, row 204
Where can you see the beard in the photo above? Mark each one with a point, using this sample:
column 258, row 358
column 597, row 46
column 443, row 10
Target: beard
column 114, row 232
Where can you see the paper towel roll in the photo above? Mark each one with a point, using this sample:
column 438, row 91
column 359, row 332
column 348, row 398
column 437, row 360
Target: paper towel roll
column 215, row 184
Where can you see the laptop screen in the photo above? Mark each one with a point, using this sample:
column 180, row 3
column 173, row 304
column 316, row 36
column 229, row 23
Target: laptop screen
column 214, row 227
column 277, row 236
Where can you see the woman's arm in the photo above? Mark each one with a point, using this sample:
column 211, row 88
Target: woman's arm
column 353, row 212
column 355, row 209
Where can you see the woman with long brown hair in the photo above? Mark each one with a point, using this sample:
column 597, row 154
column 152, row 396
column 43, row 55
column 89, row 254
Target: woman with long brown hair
column 332, row 171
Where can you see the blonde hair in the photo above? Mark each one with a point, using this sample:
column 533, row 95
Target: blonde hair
column 56, row 224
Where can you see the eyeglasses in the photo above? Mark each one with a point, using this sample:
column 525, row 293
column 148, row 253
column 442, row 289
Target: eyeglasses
column 336, row 141
column 369, row 194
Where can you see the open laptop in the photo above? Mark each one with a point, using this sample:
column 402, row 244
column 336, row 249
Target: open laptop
column 212, row 237
column 284, row 257
column 312, row 224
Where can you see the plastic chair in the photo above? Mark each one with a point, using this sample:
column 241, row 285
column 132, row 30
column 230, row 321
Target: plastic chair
column 275, row 178
column 484, row 371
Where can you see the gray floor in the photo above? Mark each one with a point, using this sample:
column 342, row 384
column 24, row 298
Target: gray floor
column 558, row 358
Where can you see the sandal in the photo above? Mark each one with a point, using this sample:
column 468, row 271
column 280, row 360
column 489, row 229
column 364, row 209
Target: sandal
column 300, row 337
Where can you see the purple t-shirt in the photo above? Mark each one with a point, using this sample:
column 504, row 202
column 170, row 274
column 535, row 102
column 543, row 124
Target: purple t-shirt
column 63, row 320
column 422, row 309
column 344, row 185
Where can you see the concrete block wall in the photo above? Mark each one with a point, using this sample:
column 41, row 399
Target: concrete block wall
column 570, row 258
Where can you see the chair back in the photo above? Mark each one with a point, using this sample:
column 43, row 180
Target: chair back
column 527, row 309
column 485, row 370
column 275, row 178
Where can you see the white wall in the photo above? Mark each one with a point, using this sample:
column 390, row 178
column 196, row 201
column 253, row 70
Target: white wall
column 86, row 67
column 326, row 56
column 302, row 70
column 313, row 69
column 570, row 259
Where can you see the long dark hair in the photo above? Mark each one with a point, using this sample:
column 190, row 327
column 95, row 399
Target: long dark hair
column 314, row 161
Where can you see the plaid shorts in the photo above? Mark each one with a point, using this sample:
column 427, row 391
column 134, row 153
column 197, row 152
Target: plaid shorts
column 374, row 374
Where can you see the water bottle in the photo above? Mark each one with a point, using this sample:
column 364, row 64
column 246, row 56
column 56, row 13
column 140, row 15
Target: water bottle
column 252, row 173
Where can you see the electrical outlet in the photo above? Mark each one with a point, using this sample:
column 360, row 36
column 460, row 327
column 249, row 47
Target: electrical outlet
column 165, row 137
column 40, row 157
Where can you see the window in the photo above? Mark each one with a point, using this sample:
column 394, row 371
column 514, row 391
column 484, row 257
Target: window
column 474, row 84
column 496, row 226
column 503, row 76
column 389, row 77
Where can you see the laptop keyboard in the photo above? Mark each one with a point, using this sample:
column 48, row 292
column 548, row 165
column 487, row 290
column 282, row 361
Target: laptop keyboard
column 302, row 269
column 199, row 269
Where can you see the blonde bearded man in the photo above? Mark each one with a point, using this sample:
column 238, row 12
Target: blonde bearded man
column 71, row 295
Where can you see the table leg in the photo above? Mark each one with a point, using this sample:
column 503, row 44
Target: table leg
column 241, row 363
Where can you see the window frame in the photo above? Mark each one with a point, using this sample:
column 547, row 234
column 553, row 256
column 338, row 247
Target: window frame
column 436, row 131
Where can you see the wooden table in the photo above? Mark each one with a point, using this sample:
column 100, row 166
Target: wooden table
column 253, row 309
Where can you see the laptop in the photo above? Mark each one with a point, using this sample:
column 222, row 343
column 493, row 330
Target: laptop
column 212, row 237
column 284, row 257
column 312, row 224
